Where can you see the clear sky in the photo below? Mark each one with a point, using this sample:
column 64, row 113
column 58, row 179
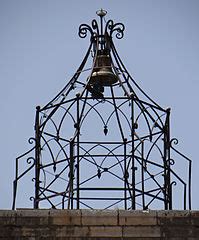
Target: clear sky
column 40, row 50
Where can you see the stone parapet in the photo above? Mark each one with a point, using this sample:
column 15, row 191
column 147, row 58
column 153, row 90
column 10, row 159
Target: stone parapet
column 98, row 224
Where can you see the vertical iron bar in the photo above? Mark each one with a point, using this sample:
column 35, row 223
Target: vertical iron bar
column 101, row 24
column 37, row 158
column 167, row 187
column 185, row 196
column 168, row 160
column 165, row 172
column 77, row 165
column 189, row 184
column 143, row 166
column 125, row 176
column 102, row 36
column 15, row 185
column 133, row 153
column 71, row 177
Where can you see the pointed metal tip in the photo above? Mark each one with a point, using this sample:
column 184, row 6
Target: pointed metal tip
column 101, row 12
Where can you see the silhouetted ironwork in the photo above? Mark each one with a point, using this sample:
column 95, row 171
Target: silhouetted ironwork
column 102, row 142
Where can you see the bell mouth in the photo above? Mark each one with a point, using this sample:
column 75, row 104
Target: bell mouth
column 103, row 77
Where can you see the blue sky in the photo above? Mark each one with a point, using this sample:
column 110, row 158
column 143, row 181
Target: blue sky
column 40, row 50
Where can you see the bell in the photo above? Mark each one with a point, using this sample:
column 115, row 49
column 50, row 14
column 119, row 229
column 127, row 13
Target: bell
column 102, row 73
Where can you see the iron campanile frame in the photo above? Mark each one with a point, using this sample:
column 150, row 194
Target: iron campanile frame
column 102, row 142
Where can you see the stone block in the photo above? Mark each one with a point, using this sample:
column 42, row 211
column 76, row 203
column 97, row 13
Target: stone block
column 173, row 217
column 141, row 232
column 137, row 217
column 25, row 217
column 105, row 231
column 65, row 217
column 175, row 231
column 99, row 217
column 71, row 231
column 194, row 218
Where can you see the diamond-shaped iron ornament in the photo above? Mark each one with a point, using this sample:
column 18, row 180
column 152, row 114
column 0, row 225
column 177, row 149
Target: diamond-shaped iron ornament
column 102, row 142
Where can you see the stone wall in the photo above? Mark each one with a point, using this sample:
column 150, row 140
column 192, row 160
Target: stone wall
column 98, row 224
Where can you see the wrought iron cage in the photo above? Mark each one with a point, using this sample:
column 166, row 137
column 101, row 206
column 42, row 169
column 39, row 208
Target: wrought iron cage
column 102, row 142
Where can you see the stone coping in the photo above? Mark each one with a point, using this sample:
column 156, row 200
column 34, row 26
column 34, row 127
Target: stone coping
column 98, row 217
column 98, row 224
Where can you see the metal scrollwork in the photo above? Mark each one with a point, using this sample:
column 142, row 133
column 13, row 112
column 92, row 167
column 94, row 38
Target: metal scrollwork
column 31, row 140
column 109, row 25
column 30, row 160
column 173, row 141
column 117, row 27
column 95, row 27
column 84, row 29
column 170, row 162
column 32, row 198
column 110, row 28
column 174, row 183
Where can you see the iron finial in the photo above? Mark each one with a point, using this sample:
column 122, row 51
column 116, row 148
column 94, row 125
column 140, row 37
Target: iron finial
column 101, row 12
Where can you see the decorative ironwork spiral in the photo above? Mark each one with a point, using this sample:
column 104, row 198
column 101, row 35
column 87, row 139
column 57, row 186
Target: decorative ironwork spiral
column 31, row 140
column 170, row 162
column 173, row 141
column 84, row 29
column 30, row 160
column 117, row 27
column 110, row 28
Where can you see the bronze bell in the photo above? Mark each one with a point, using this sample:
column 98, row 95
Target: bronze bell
column 102, row 73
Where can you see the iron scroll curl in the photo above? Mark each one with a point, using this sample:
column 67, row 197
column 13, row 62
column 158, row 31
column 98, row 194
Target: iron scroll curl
column 173, row 141
column 110, row 28
column 117, row 27
column 85, row 28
